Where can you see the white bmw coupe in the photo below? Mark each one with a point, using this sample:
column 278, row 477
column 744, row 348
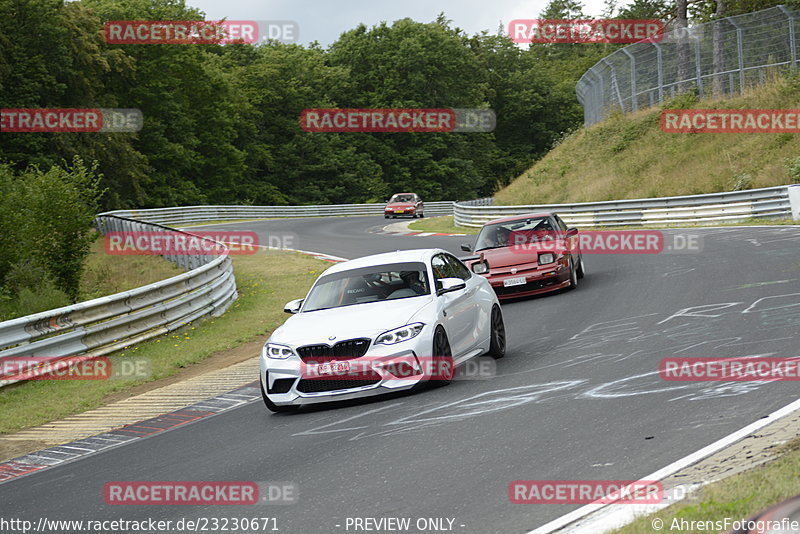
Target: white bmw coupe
column 378, row 324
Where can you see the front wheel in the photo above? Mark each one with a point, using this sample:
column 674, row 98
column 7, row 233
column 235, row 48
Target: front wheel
column 497, row 346
column 573, row 275
column 271, row 406
column 443, row 370
column 421, row 215
column 581, row 269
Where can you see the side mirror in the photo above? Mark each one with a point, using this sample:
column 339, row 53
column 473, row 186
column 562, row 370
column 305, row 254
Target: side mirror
column 386, row 201
column 466, row 248
column 293, row 306
column 448, row 285
column 572, row 232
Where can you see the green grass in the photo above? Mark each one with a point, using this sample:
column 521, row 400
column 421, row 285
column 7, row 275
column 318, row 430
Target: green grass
column 103, row 274
column 265, row 283
column 628, row 156
column 106, row 274
column 442, row 225
column 737, row 497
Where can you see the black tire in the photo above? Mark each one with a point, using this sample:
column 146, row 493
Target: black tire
column 443, row 358
column 421, row 215
column 385, row 216
column 271, row 406
column 497, row 346
column 581, row 271
column 573, row 275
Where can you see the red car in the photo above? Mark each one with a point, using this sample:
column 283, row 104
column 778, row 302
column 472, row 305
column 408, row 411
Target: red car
column 527, row 255
column 404, row 204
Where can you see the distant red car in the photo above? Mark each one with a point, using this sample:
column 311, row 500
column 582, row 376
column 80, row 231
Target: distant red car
column 527, row 255
column 404, row 204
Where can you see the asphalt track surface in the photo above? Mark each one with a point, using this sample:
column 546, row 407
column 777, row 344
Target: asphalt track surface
column 577, row 397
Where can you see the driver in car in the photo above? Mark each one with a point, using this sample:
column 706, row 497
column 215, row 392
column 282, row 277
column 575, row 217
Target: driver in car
column 412, row 281
column 501, row 234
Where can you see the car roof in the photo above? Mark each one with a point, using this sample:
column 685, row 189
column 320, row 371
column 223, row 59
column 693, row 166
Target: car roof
column 403, row 194
column 400, row 256
column 521, row 217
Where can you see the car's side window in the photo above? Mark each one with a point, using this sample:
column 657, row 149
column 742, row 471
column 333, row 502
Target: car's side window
column 561, row 224
column 440, row 269
column 458, row 269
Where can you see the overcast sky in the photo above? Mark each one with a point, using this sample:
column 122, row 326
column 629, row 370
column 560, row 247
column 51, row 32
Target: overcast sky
column 325, row 20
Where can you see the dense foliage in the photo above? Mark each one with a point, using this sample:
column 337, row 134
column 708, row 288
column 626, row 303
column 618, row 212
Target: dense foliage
column 221, row 122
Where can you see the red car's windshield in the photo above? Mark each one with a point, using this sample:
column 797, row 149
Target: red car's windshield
column 402, row 198
column 514, row 233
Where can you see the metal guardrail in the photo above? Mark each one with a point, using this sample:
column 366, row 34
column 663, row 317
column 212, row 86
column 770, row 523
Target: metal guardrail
column 192, row 214
column 724, row 56
column 97, row 327
column 770, row 202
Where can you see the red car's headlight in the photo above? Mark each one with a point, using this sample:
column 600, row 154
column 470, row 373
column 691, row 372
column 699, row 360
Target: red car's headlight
column 480, row 268
column 548, row 257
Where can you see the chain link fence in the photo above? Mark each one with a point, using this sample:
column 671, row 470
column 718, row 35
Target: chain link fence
column 716, row 58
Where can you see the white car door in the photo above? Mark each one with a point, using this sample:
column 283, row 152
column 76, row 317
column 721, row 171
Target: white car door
column 457, row 308
column 476, row 321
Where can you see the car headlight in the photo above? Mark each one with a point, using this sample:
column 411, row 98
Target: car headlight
column 546, row 258
column 480, row 267
column 399, row 334
column 278, row 352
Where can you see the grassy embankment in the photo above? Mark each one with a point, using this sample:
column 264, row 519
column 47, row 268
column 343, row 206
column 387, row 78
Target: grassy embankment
column 628, row 156
column 265, row 281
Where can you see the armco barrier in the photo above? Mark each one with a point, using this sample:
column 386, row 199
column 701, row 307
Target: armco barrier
column 770, row 202
column 90, row 329
column 192, row 214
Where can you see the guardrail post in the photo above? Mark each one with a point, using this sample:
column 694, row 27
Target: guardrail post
column 698, row 67
column 634, row 103
column 660, row 59
column 792, row 45
column 740, row 53
column 794, row 200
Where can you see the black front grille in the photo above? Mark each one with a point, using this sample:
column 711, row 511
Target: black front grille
column 317, row 385
column 343, row 350
column 530, row 286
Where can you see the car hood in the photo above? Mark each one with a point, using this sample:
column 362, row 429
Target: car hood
column 508, row 256
column 401, row 205
column 348, row 322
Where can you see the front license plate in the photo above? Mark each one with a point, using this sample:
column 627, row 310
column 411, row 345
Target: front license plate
column 398, row 211
column 334, row 368
column 514, row 282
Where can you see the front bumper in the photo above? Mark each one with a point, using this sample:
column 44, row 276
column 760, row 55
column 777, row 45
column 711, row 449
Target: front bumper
column 543, row 280
column 285, row 386
column 399, row 212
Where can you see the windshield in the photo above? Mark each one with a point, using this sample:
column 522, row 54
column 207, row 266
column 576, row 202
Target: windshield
column 517, row 232
column 369, row 284
column 402, row 198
